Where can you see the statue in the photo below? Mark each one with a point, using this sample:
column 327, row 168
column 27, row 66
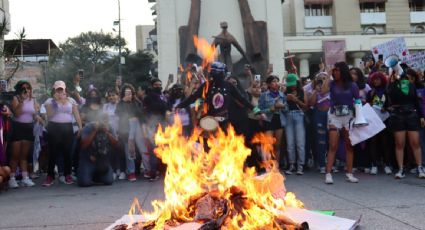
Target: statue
column 225, row 40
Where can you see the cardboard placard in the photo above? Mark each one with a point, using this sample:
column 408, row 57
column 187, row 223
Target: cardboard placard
column 417, row 60
column 396, row 46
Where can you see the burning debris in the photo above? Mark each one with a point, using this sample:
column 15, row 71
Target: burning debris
column 212, row 188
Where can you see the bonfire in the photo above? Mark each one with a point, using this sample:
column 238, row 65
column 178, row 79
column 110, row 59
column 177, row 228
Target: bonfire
column 208, row 185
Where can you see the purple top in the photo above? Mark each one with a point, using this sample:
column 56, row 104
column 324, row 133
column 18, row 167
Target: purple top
column 342, row 96
column 323, row 100
column 28, row 111
column 421, row 95
column 62, row 113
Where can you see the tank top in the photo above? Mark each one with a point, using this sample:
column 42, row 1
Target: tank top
column 28, row 111
column 62, row 112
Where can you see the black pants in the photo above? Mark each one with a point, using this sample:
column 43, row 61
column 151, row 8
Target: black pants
column 59, row 137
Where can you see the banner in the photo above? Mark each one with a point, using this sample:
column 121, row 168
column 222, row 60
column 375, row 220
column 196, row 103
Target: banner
column 334, row 52
column 396, row 46
column 417, row 61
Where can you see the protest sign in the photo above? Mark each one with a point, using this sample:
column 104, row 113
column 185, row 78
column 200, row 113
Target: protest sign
column 396, row 46
column 417, row 61
column 334, row 51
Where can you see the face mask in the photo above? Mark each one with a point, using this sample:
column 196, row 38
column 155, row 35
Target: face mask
column 157, row 89
column 404, row 86
column 95, row 100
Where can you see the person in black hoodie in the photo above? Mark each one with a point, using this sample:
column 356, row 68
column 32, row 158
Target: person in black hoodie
column 156, row 106
column 218, row 96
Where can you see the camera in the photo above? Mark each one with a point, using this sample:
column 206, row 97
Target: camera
column 81, row 74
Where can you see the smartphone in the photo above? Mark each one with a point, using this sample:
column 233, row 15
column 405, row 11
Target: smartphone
column 81, row 74
column 257, row 77
column 171, row 77
column 381, row 57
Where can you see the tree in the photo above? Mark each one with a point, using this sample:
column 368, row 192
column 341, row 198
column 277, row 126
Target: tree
column 93, row 52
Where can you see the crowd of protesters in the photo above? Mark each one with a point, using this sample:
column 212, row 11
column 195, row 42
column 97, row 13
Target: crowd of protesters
column 88, row 137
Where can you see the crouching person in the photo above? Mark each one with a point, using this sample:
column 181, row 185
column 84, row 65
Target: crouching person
column 97, row 142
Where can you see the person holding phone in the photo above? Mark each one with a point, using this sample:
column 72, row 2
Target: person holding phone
column 61, row 110
column 25, row 111
column 129, row 130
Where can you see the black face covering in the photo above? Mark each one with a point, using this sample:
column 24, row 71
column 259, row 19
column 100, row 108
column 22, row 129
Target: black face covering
column 95, row 100
column 217, row 77
column 157, row 89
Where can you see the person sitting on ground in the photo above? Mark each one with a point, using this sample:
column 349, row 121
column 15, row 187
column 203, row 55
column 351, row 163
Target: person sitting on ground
column 4, row 174
column 97, row 142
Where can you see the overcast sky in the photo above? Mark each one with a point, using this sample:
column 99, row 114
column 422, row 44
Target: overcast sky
column 60, row 19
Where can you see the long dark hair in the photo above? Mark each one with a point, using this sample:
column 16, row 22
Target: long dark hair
column 361, row 78
column 345, row 74
column 18, row 87
column 418, row 83
column 127, row 86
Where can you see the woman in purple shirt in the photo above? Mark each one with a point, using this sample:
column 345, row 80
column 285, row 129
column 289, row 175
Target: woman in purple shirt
column 343, row 94
column 60, row 111
column 24, row 109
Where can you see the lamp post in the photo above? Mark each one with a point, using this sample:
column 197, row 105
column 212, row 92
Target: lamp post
column 119, row 39
column 45, row 73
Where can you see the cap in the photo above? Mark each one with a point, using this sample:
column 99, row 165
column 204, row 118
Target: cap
column 59, row 84
column 291, row 80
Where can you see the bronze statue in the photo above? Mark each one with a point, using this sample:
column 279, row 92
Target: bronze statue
column 225, row 40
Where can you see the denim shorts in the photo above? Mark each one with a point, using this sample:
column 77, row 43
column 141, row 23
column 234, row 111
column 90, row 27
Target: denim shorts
column 340, row 121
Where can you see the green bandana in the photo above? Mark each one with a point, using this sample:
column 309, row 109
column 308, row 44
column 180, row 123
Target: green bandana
column 404, row 86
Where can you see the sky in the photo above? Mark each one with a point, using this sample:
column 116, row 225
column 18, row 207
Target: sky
column 61, row 19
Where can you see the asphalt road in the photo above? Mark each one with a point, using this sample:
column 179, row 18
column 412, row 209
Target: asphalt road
column 383, row 203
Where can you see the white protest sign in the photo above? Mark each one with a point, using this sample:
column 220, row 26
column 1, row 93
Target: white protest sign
column 417, row 61
column 396, row 46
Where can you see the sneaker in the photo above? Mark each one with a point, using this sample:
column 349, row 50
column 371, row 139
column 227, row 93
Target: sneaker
column 367, row 170
column 114, row 176
column 388, row 170
column 48, row 181
column 122, row 176
column 154, row 177
column 350, row 178
column 146, row 175
column 131, row 177
column 374, row 170
column 421, row 173
column 414, row 171
column 290, row 170
column 400, row 174
column 328, row 178
column 27, row 182
column 62, row 179
column 34, row 175
column 13, row 183
column 300, row 170
column 322, row 170
column 335, row 169
column 69, row 180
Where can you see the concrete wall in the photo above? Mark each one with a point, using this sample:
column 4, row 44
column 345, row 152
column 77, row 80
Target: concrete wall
column 346, row 15
column 398, row 15
column 172, row 15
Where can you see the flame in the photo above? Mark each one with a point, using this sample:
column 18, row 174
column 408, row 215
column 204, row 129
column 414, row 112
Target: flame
column 207, row 51
column 192, row 172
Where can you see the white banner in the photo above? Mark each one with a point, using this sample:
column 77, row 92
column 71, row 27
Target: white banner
column 417, row 60
column 396, row 46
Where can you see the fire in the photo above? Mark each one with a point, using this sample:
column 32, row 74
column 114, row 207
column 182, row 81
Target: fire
column 207, row 51
column 209, row 54
column 217, row 176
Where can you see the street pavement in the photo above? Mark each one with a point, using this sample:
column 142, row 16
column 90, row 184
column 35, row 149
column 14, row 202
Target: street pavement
column 382, row 201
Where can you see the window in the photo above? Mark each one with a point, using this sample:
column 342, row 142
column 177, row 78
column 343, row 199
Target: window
column 372, row 7
column 369, row 30
column 319, row 33
column 419, row 29
column 317, row 10
column 416, row 6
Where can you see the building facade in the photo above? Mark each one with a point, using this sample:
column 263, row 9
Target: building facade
column 360, row 24
column 144, row 41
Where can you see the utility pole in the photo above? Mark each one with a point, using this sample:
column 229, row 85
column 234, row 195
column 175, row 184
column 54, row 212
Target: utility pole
column 119, row 39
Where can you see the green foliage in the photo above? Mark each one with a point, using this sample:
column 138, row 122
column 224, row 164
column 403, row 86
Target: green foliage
column 92, row 52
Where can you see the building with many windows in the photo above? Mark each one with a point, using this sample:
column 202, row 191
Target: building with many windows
column 360, row 24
